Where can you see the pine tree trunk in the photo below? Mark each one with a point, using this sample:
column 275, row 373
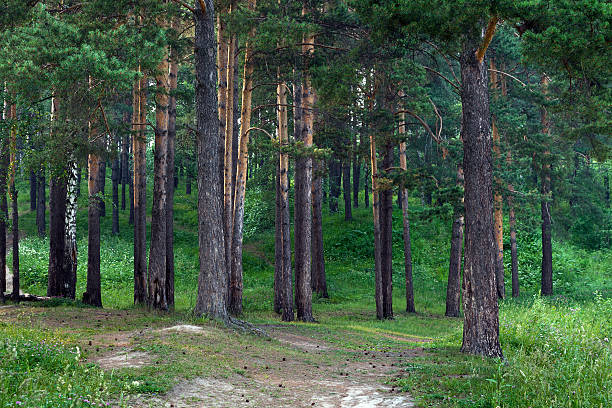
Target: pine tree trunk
column 498, row 214
column 319, row 281
column 303, row 197
column 406, row 223
column 115, row 178
column 481, row 321
column 213, row 277
column 453, row 287
column 356, row 173
column 157, row 255
column 13, row 194
column 236, row 284
column 346, row 183
column 223, row 108
column 386, row 238
column 70, row 247
column 140, row 193
column 58, row 276
column 366, row 190
column 131, row 193
column 33, row 190
column 227, row 133
column 41, row 222
column 376, row 219
column 547, row 283
column 171, row 178
column 3, row 211
column 278, row 245
column 286, row 281
column 93, row 293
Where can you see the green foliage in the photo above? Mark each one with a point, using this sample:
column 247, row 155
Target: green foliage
column 40, row 369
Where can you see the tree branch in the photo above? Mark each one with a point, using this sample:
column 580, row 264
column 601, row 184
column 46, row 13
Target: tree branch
column 491, row 27
column 181, row 3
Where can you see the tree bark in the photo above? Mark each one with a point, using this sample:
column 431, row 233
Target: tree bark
column 213, row 278
column 278, row 244
column 286, row 281
column 346, row 183
column 57, row 277
column 157, row 298
column 453, row 287
column 481, row 321
column 366, row 190
column 125, row 161
column 498, row 214
column 319, row 281
column 41, row 222
column 70, row 247
column 13, row 194
column 406, row 223
column 140, row 193
column 227, row 132
column 376, row 218
column 547, row 281
column 356, row 173
column 131, row 193
column 171, row 177
column 3, row 210
column 303, row 195
column 236, row 284
column 93, row 293
column 386, row 238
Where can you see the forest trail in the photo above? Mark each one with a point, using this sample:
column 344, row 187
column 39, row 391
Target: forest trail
column 192, row 365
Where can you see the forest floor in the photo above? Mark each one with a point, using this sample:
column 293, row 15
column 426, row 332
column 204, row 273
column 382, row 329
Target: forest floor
column 211, row 366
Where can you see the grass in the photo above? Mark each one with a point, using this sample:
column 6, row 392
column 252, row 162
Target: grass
column 557, row 351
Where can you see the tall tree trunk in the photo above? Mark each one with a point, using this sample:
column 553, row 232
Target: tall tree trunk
column 366, row 189
column 41, row 222
column 157, row 255
column 236, row 284
column 236, row 126
column 278, row 244
column 13, row 193
column 356, row 173
column 319, row 281
column 93, row 293
column 115, row 178
column 131, row 193
column 453, row 287
column 171, row 177
column 286, row 281
column 376, row 218
column 303, row 196
column 140, row 193
column 213, row 278
column 3, row 210
column 547, row 282
column 57, row 276
column 223, row 108
column 406, row 223
column 70, row 247
column 386, row 238
column 33, row 190
column 498, row 214
column 481, row 321
column 346, row 183
column 227, row 133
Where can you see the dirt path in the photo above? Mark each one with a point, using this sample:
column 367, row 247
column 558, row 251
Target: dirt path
column 326, row 376
column 208, row 366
